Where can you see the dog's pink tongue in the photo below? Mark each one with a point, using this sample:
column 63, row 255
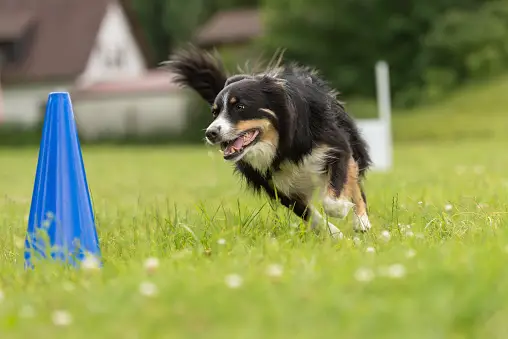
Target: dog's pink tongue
column 238, row 143
column 233, row 147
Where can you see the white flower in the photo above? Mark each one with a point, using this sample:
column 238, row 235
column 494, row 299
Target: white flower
column 410, row 234
column 370, row 250
column 420, row 202
column 62, row 318
column 221, row 241
column 90, row 263
column 234, row 280
column 386, row 235
column 460, row 169
column 274, row 271
column 27, row 311
column 410, row 253
column 396, row 271
column 357, row 241
column 364, row 274
column 448, row 207
column 479, row 169
column 151, row 264
column 19, row 242
column 68, row 286
column 148, row 289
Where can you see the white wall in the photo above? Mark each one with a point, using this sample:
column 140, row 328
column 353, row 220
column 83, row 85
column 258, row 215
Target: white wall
column 376, row 133
column 114, row 41
column 22, row 104
column 136, row 114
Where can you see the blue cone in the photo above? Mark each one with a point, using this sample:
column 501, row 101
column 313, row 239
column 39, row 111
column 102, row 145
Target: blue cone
column 61, row 222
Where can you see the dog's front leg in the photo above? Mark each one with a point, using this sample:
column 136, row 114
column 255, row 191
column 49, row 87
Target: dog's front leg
column 307, row 213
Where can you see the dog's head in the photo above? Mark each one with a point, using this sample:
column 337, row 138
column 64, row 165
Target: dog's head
column 246, row 119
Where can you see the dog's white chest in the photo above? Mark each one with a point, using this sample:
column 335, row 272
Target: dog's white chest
column 302, row 179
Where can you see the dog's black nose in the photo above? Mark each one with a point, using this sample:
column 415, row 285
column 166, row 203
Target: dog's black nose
column 213, row 134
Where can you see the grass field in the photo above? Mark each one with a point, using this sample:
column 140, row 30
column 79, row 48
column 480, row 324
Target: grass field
column 231, row 267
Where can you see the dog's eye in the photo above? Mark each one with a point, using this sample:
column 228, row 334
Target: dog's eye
column 214, row 113
column 240, row 107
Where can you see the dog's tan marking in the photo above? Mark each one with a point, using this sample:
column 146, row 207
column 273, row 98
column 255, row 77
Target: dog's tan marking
column 339, row 203
column 352, row 188
column 214, row 107
column 253, row 123
column 350, row 184
column 233, row 100
column 269, row 111
column 269, row 134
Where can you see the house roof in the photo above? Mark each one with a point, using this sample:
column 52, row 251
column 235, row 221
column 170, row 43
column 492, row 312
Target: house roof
column 64, row 32
column 230, row 27
column 14, row 23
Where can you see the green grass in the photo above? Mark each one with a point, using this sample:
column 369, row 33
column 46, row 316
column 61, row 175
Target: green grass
column 479, row 111
column 440, row 275
column 476, row 111
column 176, row 203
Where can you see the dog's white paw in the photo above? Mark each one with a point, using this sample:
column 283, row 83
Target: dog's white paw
column 335, row 232
column 337, row 208
column 317, row 223
column 361, row 223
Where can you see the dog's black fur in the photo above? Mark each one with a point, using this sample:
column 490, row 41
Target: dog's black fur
column 301, row 106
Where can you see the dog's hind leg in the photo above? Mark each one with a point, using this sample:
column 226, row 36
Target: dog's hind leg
column 338, row 203
column 339, row 189
column 352, row 190
column 361, row 220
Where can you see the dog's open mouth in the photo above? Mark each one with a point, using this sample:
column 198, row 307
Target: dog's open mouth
column 234, row 148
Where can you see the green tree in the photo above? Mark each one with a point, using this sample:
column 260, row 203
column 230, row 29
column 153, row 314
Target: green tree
column 345, row 38
column 169, row 23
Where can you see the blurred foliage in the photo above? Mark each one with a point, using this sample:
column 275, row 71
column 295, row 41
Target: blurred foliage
column 170, row 23
column 466, row 45
column 431, row 45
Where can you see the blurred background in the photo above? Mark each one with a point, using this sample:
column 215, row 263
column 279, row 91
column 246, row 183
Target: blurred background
column 447, row 59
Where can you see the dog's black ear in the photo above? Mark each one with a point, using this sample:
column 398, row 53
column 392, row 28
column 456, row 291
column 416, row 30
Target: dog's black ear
column 236, row 78
column 271, row 85
column 199, row 70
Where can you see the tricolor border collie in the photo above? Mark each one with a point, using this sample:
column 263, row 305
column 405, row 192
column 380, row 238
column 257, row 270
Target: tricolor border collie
column 286, row 133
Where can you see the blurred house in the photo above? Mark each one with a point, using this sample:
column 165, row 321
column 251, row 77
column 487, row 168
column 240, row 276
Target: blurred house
column 146, row 105
column 233, row 27
column 234, row 34
column 93, row 49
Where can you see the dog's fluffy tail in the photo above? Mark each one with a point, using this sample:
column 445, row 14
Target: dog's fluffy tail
column 198, row 70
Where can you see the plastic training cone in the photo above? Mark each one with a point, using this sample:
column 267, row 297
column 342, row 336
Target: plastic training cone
column 61, row 222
